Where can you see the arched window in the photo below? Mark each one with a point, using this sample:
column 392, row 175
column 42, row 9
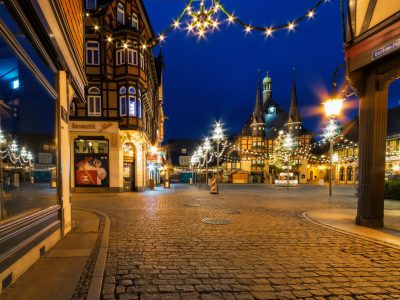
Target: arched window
column 135, row 21
column 341, row 174
column 349, row 173
column 94, row 102
column 139, row 104
column 132, row 101
column 123, row 109
column 121, row 13
column 92, row 53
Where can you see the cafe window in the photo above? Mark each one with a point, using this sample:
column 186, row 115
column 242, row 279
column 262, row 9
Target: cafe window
column 91, row 162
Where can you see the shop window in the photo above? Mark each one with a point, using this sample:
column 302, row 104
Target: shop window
column 132, row 57
column 94, row 102
column 132, row 101
column 349, row 173
column 120, row 57
column 92, row 53
column 29, row 142
column 135, row 21
column 121, row 13
column 91, row 161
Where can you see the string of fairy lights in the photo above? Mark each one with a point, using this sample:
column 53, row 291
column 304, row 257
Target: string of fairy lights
column 201, row 17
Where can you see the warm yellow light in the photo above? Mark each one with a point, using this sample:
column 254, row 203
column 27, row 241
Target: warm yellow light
column 176, row 24
column 201, row 33
column 215, row 24
column 231, row 19
column 335, row 158
column 311, row 14
column 153, row 150
column 144, row 46
column 333, row 107
column 268, row 32
column 190, row 28
column 248, row 29
column 291, row 26
column 109, row 39
column 125, row 45
column 96, row 27
column 161, row 38
column 87, row 14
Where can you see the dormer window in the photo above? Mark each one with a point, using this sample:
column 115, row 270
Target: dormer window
column 135, row 21
column 121, row 13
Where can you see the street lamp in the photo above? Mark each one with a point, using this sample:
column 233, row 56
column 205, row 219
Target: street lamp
column 287, row 144
column 218, row 135
column 206, row 147
column 333, row 108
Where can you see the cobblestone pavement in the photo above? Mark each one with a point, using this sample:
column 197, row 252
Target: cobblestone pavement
column 161, row 249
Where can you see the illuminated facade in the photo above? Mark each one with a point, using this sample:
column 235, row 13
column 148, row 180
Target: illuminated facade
column 113, row 133
column 248, row 157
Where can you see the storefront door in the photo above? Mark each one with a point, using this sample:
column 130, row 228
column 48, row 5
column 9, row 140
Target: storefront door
column 129, row 167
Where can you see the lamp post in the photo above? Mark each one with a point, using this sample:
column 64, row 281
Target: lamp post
column 333, row 108
column 206, row 148
column 288, row 144
column 218, row 135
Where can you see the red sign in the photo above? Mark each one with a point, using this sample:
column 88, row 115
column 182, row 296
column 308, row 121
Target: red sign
column 86, row 177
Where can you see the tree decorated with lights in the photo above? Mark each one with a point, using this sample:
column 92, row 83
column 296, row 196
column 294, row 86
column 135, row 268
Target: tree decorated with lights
column 280, row 151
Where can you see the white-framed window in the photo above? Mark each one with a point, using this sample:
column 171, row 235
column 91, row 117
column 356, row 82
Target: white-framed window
column 132, row 57
column 132, row 101
column 141, row 61
column 123, row 109
column 94, row 102
column 135, row 21
column 120, row 57
column 139, row 104
column 121, row 13
column 91, row 4
column 92, row 53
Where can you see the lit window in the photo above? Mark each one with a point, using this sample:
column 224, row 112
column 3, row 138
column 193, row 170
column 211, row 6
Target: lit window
column 122, row 102
column 91, row 4
column 139, row 104
column 15, row 84
column 132, row 57
column 135, row 21
column 141, row 61
column 120, row 57
column 132, row 101
column 92, row 53
column 94, row 102
column 121, row 14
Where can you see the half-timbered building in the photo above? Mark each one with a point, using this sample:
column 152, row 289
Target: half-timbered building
column 113, row 132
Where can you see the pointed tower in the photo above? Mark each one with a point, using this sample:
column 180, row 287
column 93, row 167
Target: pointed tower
column 293, row 125
column 257, row 123
column 267, row 90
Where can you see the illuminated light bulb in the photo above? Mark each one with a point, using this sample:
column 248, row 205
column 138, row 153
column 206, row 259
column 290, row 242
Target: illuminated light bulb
column 96, row 27
column 125, row 45
column 87, row 14
column 248, row 29
column 109, row 39
column 215, row 24
column 231, row 19
column 190, row 28
column 291, row 26
column 201, row 33
column 311, row 14
column 144, row 46
column 161, row 38
column 176, row 24
column 268, row 32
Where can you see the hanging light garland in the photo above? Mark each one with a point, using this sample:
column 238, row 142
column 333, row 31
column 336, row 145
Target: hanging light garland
column 200, row 17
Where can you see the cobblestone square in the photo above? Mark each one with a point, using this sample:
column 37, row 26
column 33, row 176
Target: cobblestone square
column 161, row 249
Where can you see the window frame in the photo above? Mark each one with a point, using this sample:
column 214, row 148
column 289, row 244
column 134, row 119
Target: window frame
column 135, row 21
column 94, row 6
column 122, row 101
column 139, row 112
column 132, row 57
column 121, row 12
column 94, row 101
column 92, row 50
column 120, row 57
column 132, row 98
column 142, row 62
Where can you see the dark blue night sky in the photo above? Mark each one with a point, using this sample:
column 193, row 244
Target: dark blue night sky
column 216, row 78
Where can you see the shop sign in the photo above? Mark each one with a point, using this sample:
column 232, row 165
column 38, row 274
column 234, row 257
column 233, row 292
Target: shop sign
column 152, row 157
column 388, row 48
column 99, row 127
column 91, row 170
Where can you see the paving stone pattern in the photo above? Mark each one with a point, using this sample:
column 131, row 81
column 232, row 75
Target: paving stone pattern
column 160, row 249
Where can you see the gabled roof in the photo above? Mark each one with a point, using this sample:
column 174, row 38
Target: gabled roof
column 294, row 116
column 257, row 113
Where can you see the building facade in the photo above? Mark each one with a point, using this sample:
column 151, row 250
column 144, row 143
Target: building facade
column 249, row 154
column 115, row 133
column 41, row 57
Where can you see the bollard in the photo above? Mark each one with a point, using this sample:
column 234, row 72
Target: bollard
column 214, row 189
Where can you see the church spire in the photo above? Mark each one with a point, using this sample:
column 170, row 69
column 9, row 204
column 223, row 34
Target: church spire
column 257, row 114
column 294, row 116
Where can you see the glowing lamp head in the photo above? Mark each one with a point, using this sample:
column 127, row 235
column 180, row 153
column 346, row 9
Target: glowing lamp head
column 153, row 150
column 335, row 158
column 333, row 107
column 218, row 133
column 206, row 144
